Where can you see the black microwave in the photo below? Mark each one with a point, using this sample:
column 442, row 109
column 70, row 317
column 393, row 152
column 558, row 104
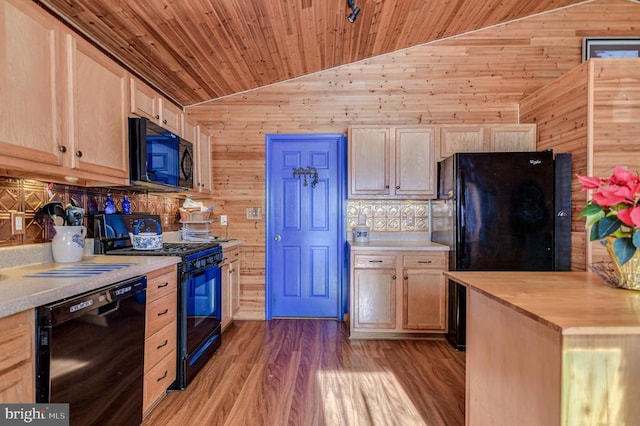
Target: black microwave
column 159, row 161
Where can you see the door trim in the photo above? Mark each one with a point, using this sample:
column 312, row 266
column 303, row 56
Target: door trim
column 341, row 147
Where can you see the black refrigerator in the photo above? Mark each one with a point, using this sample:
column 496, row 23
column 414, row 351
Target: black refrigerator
column 504, row 211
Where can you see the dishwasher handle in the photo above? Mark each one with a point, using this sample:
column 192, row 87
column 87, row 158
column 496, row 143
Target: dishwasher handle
column 109, row 308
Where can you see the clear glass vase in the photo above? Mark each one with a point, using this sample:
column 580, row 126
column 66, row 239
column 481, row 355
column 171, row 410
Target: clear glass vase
column 628, row 274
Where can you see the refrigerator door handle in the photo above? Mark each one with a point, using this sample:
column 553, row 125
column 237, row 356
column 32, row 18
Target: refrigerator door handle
column 461, row 214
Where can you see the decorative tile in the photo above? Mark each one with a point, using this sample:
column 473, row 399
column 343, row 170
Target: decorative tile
column 393, row 224
column 29, row 196
column 422, row 225
column 380, row 209
column 379, row 225
column 422, row 210
column 393, row 210
column 408, row 210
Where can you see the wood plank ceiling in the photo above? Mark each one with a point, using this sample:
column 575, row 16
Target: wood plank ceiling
column 198, row 50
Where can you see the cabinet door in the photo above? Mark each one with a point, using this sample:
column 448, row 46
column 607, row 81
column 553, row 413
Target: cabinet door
column 144, row 101
column 170, row 117
column 225, row 271
column 235, row 286
column 189, row 131
column 415, row 167
column 512, row 138
column 30, row 85
column 424, row 300
column 374, row 304
column 98, row 111
column 462, row 138
column 203, row 173
column 369, row 162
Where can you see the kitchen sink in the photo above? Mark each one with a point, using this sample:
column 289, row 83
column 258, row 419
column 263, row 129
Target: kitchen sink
column 82, row 270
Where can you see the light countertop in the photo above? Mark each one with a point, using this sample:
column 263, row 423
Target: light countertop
column 570, row 302
column 19, row 292
column 387, row 245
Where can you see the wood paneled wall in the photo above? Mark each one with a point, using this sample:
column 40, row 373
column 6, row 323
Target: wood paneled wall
column 474, row 78
column 593, row 112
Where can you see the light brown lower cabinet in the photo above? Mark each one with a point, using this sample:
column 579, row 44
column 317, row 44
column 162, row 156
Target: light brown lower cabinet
column 394, row 295
column 230, row 270
column 17, row 363
column 160, row 335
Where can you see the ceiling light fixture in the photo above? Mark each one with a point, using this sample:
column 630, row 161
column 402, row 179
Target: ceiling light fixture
column 354, row 11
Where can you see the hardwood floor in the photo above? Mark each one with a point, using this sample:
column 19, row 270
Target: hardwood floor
column 308, row 372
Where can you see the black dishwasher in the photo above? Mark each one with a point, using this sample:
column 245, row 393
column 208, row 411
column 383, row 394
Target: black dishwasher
column 90, row 354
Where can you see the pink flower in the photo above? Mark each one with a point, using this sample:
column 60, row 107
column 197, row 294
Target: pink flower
column 589, row 182
column 622, row 176
column 630, row 216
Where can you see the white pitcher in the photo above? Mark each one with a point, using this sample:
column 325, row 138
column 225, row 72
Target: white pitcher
column 68, row 243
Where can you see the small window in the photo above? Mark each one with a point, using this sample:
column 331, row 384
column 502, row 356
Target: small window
column 608, row 47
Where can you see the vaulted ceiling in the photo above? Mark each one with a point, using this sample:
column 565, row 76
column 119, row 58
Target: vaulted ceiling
column 198, row 50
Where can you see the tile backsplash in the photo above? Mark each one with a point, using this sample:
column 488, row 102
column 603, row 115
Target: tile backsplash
column 395, row 215
column 29, row 196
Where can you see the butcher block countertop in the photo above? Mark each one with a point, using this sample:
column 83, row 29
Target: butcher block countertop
column 570, row 302
column 550, row 348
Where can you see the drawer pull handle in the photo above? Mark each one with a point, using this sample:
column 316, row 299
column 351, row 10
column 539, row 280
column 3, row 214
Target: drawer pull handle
column 424, row 261
column 164, row 376
column 375, row 261
column 166, row 342
column 164, row 285
column 166, row 311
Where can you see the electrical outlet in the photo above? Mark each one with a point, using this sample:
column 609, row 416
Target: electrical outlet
column 223, row 219
column 17, row 223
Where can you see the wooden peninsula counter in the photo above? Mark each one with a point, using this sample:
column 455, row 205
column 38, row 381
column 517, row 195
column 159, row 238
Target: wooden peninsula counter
column 550, row 348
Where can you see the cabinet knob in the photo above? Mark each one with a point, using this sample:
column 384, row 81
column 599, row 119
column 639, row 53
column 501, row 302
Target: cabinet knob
column 62, row 148
column 406, row 278
column 164, row 121
column 386, row 186
column 157, row 117
column 78, row 154
column 393, row 277
column 398, row 187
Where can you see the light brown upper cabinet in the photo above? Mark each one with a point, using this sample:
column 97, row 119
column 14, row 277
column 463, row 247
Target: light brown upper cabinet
column 61, row 102
column 146, row 102
column 392, row 162
column 486, row 138
column 198, row 136
column 98, row 111
column 202, row 175
column 30, row 82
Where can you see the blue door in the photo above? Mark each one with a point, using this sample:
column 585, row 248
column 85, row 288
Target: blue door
column 305, row 182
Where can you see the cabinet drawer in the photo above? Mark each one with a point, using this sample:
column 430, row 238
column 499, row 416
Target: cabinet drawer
column 160, row 313
column 230, row 255
column 374, row 261
column 429, row 260
column 161, row 282
column 15, row 339
column 157, row 380
column 160, row 345
column 16, row 385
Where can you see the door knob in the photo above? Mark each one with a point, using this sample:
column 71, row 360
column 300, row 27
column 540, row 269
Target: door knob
column 277, row 238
